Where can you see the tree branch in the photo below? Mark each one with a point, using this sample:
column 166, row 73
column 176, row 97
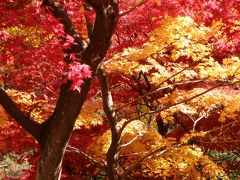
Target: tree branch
column 59, row 12
column 151, row 120
column 160, row 151
column 73, row 149
column 154, row 90
column 58, row 128
column 11, row 108
column 115, row 141
column 100, row 39
column 123, row 13
column 177, row 103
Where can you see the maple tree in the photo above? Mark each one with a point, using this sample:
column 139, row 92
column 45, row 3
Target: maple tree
column 171, row 70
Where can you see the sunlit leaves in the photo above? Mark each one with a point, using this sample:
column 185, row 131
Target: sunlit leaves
column 148, row 140
column 223, row 100
column 38, row 110
column 188, row 136
column 77, row 73
column 91, row 115
column 3, row 117
column 184, row 161
column 31, row 35
column 182, row 35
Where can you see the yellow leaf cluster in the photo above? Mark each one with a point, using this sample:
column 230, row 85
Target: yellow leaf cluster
column 31, row 35
column 186, row 137
column 185, row 36
column 38, row 110
column 91, row 115
column 213, row 70
column 175, row 38
column 224, row 97
column 3, row 117
column 177, row 162
column 181, row 162
column 148, row 140
column 227, row 98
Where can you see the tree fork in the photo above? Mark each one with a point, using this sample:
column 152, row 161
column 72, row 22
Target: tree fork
column 58, row 128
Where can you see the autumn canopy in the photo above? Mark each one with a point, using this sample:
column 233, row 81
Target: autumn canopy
column 108, row 89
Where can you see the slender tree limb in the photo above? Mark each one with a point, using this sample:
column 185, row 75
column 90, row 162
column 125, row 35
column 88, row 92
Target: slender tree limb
column 158, row 151
column 11, row 108
column 222, row 142
column 177, row 103
column 59, row 12
column 99, row 164
column 115, row 141
column 123, row 13
column 151, row 120
column 154, row 90
column 137, row 163
column 177, row 117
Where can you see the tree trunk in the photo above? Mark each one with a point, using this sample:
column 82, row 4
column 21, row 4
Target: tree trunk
column 48, row 170
column 57, row 131
column 53, row 135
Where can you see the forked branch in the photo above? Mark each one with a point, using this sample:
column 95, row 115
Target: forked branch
column 177, row 103
column 108, row 109
column 73, row 149
column 11, row 108
column 158, row 151
column 59, row 12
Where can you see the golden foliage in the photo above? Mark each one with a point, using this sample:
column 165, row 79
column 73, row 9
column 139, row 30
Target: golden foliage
column 3, row 117
column 100, row 146
column 176, row 44
column 91, row 115
column 188, row 136
column 38, row 110
column 187, row 38
column 213, row 70
column 181, row 162
column 225, row 100
column 177, row 162
column 182, row 35
column 31, row 35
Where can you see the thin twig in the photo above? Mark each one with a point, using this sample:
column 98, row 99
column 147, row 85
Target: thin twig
column 158, row 151
column 177, row 103
column 73, row 149
column 139, row 134
column 222, row 142
column 157, row 88
column 131, row 9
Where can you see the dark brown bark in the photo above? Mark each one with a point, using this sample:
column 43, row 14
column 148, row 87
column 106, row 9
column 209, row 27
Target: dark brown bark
column 53, row 135
column 11, row 108
column 57, row 130
column 59, row 12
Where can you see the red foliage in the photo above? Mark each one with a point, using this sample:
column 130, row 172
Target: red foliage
column 13, row 139
column 80, row 139
column 40, row 68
